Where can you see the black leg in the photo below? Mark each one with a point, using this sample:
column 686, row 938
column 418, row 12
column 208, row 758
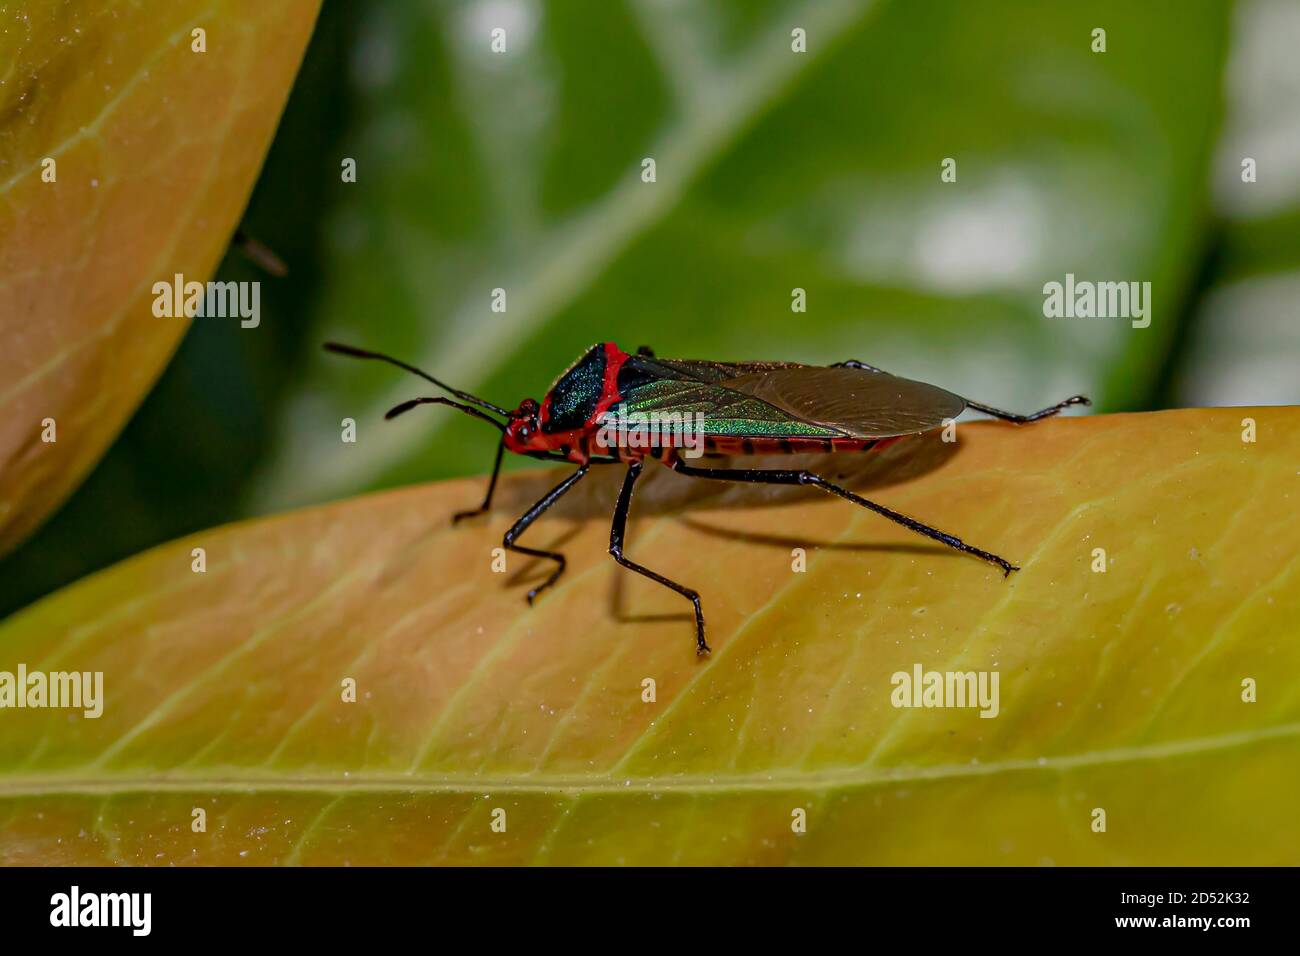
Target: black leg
column 1025, row 419
column 492, row 486
column 808, row 478
column 854, row 363
column 616, row 549
column 531, row 515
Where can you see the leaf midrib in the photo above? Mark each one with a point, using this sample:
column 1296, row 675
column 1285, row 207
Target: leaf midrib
column 782, row 781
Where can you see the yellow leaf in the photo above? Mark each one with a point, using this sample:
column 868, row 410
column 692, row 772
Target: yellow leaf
column 1120, row 691
column 126, row 157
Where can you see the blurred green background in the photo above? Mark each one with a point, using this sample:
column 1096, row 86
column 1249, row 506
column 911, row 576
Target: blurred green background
column 775, row 170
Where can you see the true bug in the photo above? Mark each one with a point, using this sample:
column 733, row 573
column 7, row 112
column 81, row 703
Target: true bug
column 742, row 408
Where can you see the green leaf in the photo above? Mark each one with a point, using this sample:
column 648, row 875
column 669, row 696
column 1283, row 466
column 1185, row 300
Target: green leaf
column 1120, row 690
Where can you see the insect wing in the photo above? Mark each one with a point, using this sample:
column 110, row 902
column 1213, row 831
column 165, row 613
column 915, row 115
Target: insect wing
column 663, row 387
column 853, row 401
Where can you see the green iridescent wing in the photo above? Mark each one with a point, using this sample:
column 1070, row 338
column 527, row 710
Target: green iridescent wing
column 782, row 399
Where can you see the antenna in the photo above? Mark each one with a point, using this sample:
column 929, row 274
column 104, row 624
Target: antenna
column 365, row 354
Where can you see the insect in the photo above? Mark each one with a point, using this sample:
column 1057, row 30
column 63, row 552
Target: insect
column 739, row 408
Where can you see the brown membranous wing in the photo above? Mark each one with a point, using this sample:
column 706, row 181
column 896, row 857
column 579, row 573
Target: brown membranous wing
column 857, row 402
column 761, row 399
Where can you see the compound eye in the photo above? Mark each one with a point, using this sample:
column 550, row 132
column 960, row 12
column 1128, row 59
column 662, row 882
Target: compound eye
column 525, row 431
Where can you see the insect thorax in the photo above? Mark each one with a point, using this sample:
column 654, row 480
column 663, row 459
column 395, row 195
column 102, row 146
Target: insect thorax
column 576, row 394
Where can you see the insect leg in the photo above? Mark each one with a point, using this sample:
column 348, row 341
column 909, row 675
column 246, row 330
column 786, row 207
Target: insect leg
column 854, row 363
column 1025, row 419
column 531, row 515
column 616, row 549
column 758, row 476
column 492, row 486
